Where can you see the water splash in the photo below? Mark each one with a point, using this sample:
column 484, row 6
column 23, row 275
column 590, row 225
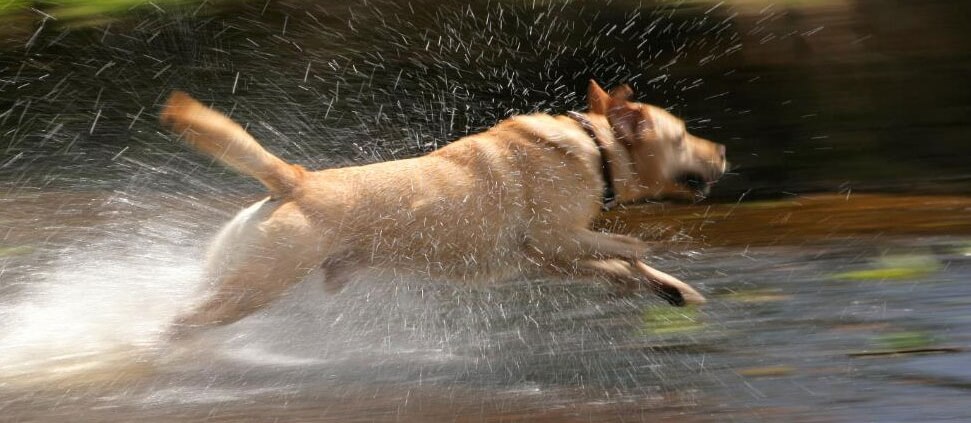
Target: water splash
column 99, row 305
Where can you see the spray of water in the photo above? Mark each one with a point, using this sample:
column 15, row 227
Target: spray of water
column 98, row 305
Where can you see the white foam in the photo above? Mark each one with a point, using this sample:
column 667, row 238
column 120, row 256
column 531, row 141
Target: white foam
column 97, row 304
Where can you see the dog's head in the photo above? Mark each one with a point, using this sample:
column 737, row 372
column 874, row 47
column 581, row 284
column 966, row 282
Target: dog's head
column 668, row 161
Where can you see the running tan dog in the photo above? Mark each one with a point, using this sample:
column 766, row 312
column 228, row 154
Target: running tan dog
column 517, row 199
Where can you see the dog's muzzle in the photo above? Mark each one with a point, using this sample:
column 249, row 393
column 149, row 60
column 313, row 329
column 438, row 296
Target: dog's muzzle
column 696, row 181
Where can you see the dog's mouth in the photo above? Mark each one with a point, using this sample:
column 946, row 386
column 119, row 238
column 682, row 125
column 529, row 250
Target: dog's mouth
column 696, row 182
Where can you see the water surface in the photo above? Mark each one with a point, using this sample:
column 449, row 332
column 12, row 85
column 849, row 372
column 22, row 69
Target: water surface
column 84, row 297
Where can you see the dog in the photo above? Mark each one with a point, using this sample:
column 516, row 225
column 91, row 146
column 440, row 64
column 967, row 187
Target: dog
column 515, row 200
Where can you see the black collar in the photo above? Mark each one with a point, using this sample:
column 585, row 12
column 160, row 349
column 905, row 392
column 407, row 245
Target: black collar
column 609, row 195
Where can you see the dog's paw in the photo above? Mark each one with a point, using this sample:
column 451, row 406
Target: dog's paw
column 670, row 288
column 680, row 297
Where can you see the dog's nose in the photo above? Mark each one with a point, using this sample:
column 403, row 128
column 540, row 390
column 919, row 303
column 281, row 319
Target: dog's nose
column 721, row 154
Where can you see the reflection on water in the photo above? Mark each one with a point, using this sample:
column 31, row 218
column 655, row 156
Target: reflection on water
column 775, row 343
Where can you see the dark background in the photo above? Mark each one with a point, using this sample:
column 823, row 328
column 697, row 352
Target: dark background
column 813, row 96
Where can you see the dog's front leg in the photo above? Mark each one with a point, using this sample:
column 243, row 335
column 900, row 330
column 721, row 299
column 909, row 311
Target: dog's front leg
column 667, row 286
column 629, row 274
column 616, row 257
column 555, row 243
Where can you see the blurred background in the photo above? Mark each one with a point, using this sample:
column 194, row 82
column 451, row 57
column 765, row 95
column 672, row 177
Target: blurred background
column 836, row 251
column 823, row 95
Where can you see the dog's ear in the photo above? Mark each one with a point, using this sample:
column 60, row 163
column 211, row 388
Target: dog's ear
column 597, row 99
column 625, row 117
column 621, row 93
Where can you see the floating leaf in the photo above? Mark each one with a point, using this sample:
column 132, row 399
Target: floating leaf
column 15, row 251
column 895, row 267
column 906, row 343
column 905, row 340
column 907, row 351
column 668, row 320
column 755, row 296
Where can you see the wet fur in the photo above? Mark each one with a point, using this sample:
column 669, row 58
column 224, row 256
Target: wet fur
column 517, row 199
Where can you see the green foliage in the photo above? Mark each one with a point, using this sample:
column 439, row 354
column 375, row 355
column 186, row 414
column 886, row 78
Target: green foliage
column 82, row 9
column 12, row 6
column 75, row 10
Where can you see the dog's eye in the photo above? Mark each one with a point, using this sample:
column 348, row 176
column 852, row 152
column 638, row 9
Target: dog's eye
column 679, row 140
column 682, row 137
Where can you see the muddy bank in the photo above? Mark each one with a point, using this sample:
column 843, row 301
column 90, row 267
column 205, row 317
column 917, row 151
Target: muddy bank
column 797, row 220
column 792, row 221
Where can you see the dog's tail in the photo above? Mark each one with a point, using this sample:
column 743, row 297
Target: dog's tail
column 220, row 137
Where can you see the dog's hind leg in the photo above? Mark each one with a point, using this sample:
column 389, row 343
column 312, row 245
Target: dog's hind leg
column 256, row 259
column 338, row 273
